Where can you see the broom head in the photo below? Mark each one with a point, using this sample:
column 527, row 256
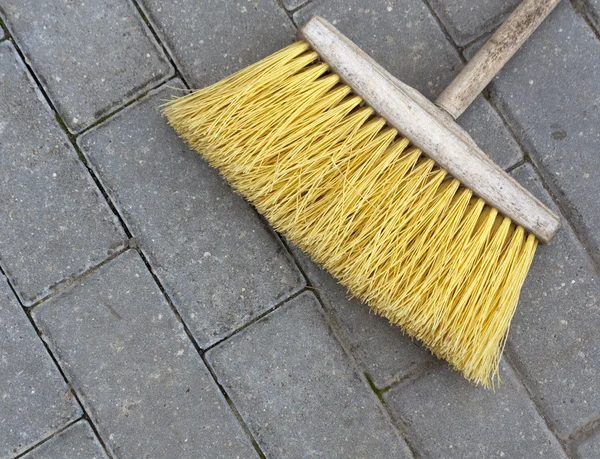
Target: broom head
column 341, row 183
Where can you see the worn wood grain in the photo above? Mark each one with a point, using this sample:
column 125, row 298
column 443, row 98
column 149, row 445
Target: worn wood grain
column 492, row 56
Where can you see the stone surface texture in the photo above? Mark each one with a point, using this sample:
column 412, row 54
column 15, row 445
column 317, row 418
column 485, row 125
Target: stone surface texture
column 450, row 418
column 299, row 392
column 138, row 373
column 75, row 442
column 35, row 400
column 550, row 92
column 212, row 39
column 554, row 333
column 593, row 10
column 91, row 56
column 293, row 4
column 466, row 20
column 590, row 448
column 220, row 264
column 403, row 37
column 54, row 221
column 487, row 128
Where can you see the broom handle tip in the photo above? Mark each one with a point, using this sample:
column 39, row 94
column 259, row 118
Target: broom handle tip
column 488, row 61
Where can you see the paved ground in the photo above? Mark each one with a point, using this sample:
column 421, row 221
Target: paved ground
column 147, row 311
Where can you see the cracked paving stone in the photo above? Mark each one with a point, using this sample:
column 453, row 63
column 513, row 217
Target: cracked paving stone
column 55, row 222
column 219, row 263
column 138, row 374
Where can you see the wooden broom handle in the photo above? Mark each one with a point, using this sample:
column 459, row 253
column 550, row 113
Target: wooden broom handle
column 488, row 61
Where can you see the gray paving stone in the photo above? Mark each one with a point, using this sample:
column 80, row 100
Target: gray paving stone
column 407, row 40
column 554, row 334
column 213, row 39
column 593, row 8
column 549, row 92
column 589, row 449
column 91, row 56
column 139, row 376
column 293, row 4
column 76, row 442
column 470, row 51
column 401, row 36
column 55, row 223
column 382, row 349
column 449, row 417
column 34, row 398
column 486, row 127
column 218, row 262
column 467, row 20
column 298, row 391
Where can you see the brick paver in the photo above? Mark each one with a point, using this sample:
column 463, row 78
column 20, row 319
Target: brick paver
column 215, row 257
column 549, row 91
column 299, row 392
column 34, row 398
column 211, row 39
column 75, row 442
column 407, row 40
column 54, row 221
column 451, row 418
column 555, row 330
column 91, row 56
column 466, row 20
column 382, row 349
column 140, row 377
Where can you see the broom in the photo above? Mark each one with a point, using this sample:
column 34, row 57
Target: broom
column 379, row 185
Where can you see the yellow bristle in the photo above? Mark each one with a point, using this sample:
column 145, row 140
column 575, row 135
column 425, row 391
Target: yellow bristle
column 334, row 178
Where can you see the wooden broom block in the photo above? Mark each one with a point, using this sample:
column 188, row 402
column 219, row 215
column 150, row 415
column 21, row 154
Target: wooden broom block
column 432, row 129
